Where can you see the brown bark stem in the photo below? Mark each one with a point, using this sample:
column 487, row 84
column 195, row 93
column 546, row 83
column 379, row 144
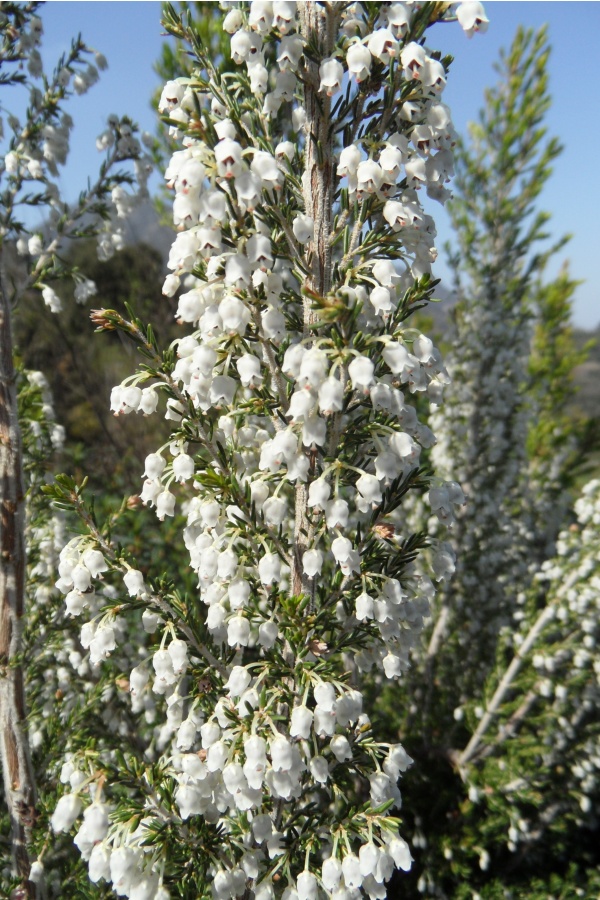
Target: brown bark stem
column 319, row 27
column 19, row 781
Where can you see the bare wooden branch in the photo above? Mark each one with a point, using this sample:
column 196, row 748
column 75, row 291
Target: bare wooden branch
column 19, row 781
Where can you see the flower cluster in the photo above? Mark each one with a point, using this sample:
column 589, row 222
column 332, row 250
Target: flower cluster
column 555, row 667
column 293, row 440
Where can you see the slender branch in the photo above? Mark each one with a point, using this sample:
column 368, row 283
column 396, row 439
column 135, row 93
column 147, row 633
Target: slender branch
column 159, row 601
column 19, row 779
column 546, row 615
column 512, row 725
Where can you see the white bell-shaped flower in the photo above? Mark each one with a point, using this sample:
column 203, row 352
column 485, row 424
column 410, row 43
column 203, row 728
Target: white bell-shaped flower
column 282, row 756
column 65, row 813
column 99, row 863
column 385, row 273
column 313, row 368
column 353, row 877
column 134, row 582
column 325, row 696
column 81, row 578
column 331, row 874
column 319, row 769
column 472, row 17
column 364, row 607
column 307, row 886
column 274, row 325
column 314, row 431
column 413, row 57
column 238, row 631
column 301, row 722
column 245, row 46
column 312, row 562
column 369, row 177
column 268, row 634
column 265, row 167
column 303, row 227
column 238, row 682
column 318, row 493
column 138, row 679
column 331, row 396
column 275, row 509
column 396, row 356
column 238, row 593
column 76, row 602
column 383, row 45
column 171, row 96
column 102, row 644
column 235, row 315
column 163, row 666
column 404, row 447
column 165, row 505
column 248, row 188
column 358, row 60
column 285, row 150
column 344, row 554
column 155, row 465
column 350, row 158
column 416, row 172
column 361, row 371
column 340, row 747
column 292, row 360
column 123, row 867
column 331, row 73
column 269, row 568
column 337, row 513
column 222, row 390
column 255, row 766
column 258, row 251
column 284, row 15
column 370, row 490
column 183, row 467
column 233, row 21
column 228, row 156
column 381, row 300
column 259, row 76
column 94, row 562
column 210, row 731
column 400, row 853
column 388, row 466
column 248, row 367
column 178, row 652
column 95, row 821
column 301, row 405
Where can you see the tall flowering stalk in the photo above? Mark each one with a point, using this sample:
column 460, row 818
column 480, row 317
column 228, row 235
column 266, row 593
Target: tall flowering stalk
column 483, row 429
column 247, row 763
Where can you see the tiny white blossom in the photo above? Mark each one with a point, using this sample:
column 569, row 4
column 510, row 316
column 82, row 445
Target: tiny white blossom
column 331, row 73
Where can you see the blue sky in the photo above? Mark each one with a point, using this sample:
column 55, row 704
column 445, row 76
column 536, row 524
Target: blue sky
column 129, row 34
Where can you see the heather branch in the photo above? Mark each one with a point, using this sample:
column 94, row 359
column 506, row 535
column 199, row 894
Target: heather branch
column 546, row 616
